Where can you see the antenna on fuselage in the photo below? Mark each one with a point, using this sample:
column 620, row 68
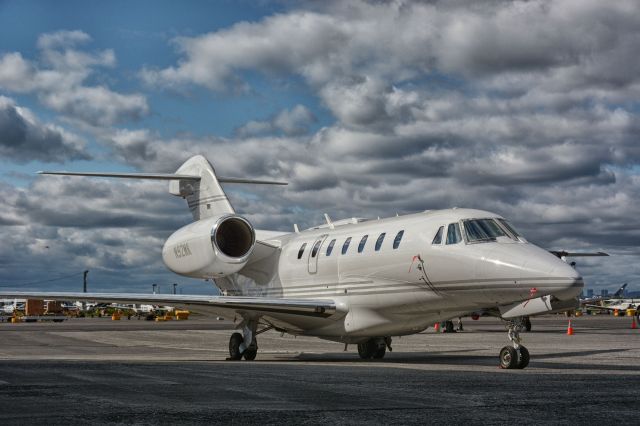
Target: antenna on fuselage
column 295, row 228
column 326, row 217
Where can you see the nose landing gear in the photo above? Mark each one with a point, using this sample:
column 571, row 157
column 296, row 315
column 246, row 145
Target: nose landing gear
column 516, row 356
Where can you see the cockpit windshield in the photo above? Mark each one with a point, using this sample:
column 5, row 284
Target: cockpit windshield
column 479, row 230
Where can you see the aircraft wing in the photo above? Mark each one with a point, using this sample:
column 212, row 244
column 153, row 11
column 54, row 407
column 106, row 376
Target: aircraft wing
column 616, row 307
column 222, row 305
column 604, row 308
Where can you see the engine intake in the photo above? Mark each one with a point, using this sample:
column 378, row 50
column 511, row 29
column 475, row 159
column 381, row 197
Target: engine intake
column 234, row 236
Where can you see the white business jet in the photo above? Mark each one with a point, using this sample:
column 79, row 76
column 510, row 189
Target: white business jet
column 354, row 281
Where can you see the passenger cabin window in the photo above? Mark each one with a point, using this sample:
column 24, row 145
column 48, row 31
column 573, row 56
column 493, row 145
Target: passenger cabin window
column 438, row 238
column 397, row 239
column 482, row 230
column 453, row 234
column 301, row 250
column 315, row 248
column 363, row 241
column 345, row 246
column 330, row 247
column 380, row 240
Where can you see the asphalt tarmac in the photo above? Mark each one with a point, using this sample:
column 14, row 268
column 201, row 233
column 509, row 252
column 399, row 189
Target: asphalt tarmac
column 137, row 372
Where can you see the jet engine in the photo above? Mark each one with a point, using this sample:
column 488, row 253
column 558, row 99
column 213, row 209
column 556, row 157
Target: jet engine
column 211, row 247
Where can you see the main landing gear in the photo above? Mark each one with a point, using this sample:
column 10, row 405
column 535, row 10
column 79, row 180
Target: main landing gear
column 516, row 356
column 245, row 345
column 374, row 348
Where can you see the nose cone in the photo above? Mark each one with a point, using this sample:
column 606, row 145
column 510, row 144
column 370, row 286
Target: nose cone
column 533, row 269
column 569, row 280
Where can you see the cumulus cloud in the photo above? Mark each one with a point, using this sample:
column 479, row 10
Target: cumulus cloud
column 23, row 138
column 72, row 224
column 59, row 78
column 293, row 122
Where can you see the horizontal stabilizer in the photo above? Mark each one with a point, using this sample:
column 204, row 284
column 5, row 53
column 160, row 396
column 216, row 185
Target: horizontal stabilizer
column 158, row 176
column 163, row 176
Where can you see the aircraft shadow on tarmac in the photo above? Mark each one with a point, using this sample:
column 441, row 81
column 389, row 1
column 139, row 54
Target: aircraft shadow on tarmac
column 451, row 358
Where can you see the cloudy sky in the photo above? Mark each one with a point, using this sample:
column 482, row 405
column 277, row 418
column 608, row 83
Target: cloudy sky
column 528, row 109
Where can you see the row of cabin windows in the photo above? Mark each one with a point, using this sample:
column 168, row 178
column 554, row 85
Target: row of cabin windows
column 345, row 245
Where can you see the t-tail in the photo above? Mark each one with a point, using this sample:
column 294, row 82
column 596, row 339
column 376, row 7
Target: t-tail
column 620, row 292
column 195, row 181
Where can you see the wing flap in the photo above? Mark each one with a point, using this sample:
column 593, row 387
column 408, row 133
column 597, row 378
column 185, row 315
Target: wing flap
column 301, row 307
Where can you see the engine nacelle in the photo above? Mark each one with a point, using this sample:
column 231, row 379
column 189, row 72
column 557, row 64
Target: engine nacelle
column 211, row 247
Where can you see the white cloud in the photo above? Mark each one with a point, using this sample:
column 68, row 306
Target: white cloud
column 24, row 138
column 60, row 76
column 62, row 39
column 295, row 121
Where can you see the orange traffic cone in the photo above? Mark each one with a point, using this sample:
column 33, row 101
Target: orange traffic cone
column 633, row 323
column 436, row 327
column 570, row 329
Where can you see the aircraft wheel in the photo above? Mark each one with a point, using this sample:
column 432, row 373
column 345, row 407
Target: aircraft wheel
column 367, row 349
column 448, row 327
column 250, row 353
column 234, row 347
column 379, row 352
column 527, row 324
column 523, row 357
column 508, row 357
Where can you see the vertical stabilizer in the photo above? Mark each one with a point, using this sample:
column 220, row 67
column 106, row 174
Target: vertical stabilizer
column 205, row 197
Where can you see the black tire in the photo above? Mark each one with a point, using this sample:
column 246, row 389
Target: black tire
column 508, row 358
column 250, row 353
column 449, row 327
column 523, row 357
column 366, row 349
column 527, row 324
column 379, row 352
column 234, row 347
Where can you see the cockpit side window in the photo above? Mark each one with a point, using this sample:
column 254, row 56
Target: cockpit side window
column 438, row 238
column 301, row 250
column 482, row 230
column 509, row 228
column 453, row 234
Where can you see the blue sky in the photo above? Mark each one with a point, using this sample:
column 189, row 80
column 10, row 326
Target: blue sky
column 528, row 109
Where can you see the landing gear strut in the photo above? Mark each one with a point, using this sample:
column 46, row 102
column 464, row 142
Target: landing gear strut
column 516, row 356
column 374, row 348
